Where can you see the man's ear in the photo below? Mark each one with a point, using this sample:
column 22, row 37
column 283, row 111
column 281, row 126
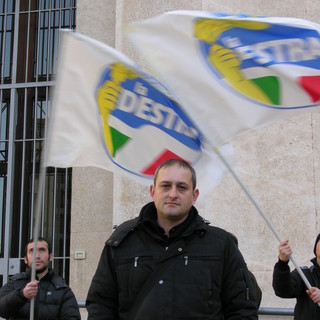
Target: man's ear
column 152, row 190
column 50, row 257
column 195, row 195
column 25, row 260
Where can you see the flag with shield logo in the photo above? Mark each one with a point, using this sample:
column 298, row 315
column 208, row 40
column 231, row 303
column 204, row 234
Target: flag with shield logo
column 110, row 114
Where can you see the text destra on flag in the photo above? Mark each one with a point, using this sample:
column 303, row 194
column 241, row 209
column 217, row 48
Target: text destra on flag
column 107, row 113
column 233, row 73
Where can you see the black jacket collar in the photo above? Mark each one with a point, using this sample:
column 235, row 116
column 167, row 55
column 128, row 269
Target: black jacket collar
column 148, row 222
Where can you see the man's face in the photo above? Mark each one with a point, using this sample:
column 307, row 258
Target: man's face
column 173, row 193
column 43, row 257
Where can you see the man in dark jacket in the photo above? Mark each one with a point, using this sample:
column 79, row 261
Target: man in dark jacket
column 288, row 284
column 168, row 263
column 53, row 298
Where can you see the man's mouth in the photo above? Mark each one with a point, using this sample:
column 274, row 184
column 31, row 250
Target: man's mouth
column 172, row 203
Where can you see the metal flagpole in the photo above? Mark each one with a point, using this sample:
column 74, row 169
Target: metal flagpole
column 266, row 219
column 38, row 206
column 36, row 229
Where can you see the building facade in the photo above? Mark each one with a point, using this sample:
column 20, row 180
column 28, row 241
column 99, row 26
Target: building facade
column 279, row 164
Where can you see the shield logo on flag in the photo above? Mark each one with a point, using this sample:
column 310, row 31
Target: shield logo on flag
column 276, row 65
column 140, row 125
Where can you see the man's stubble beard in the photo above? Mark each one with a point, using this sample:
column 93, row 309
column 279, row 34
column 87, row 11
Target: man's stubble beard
column 41, row 270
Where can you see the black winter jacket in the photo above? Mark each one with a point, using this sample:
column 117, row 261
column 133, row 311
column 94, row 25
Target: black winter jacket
column 203, row 273
column 288, row 284
column 55, row 300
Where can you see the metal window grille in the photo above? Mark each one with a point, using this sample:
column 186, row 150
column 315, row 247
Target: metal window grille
column 29, row 44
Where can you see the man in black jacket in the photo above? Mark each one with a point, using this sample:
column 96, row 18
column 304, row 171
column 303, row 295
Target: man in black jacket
column 53, row 298
column 168, row 263
column 288, row 284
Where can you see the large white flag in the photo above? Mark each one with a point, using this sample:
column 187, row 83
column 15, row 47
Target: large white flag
column 107, row 113
column 233, row 73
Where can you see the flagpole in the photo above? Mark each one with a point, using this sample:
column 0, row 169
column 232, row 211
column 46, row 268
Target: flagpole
column 37, row 220
column 264, row 216
column 38, row 206
column 36, row 230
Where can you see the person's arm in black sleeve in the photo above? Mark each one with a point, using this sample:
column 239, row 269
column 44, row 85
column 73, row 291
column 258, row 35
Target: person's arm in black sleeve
column 102, row 298
column 238, row 298
column 286, row 284
column 69, row 309
column 11, row 300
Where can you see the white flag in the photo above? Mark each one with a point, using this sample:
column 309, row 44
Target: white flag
column 233, row 73
column 107, row 113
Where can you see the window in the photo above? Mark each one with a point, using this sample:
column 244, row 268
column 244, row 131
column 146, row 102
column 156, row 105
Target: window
column 29, row 44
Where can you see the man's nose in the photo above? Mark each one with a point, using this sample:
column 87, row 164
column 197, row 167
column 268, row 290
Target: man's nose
column 173, row 192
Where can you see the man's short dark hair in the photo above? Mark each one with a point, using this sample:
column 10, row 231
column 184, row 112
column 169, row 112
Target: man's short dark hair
column 39, row 239
column 181, row 163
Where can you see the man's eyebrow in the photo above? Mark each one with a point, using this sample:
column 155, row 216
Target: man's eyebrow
column 173, row 182
column 39, row 248
column 165, row 181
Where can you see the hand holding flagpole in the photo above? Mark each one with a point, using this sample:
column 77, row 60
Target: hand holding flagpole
column 263, row 215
